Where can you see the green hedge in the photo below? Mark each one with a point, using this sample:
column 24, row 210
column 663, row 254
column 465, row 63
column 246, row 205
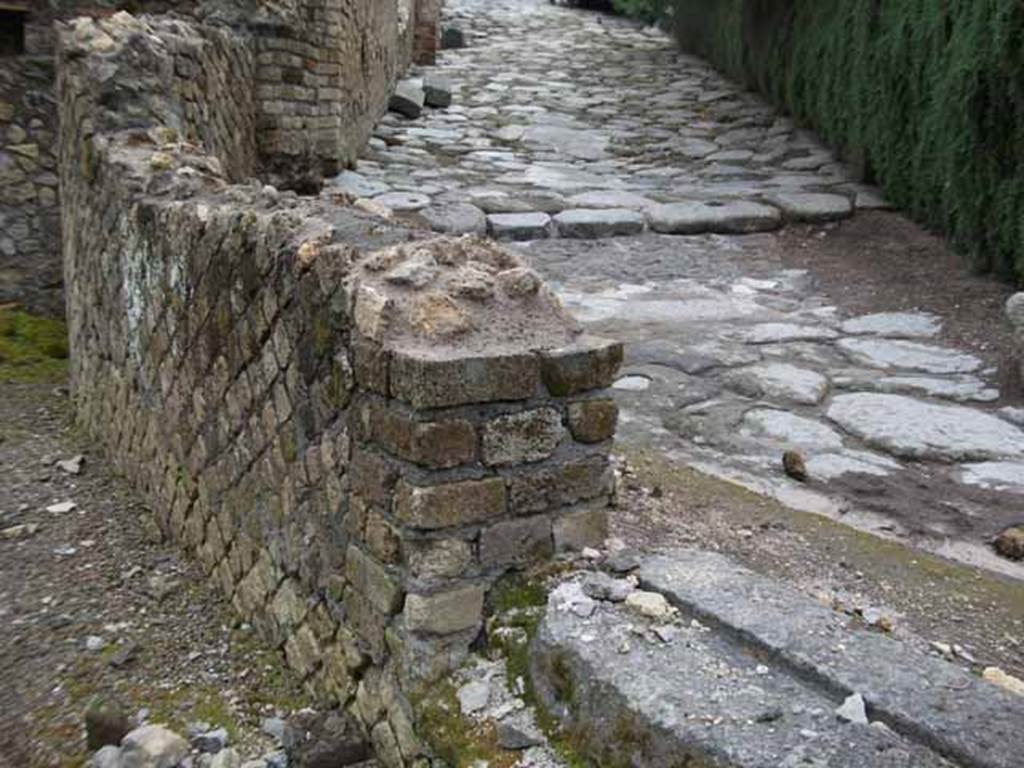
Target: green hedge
column 926, row 97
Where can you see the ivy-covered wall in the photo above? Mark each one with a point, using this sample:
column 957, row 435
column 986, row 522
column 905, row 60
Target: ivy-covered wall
column 925, row 97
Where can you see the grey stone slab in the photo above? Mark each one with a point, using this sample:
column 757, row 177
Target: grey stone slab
column 357, row 185
column 922, row 698
column 915, row 429
column 734, row 217
column 910, row 355
column 633, row 690
column 895, row 325
column 995, row 475
column 779, row 381
column 789, row 430
column 519, row 226
column 403, row 201
column 591, row 223
column 611, row 199
column 776, row 333
column 456, row 219
column 812, row 206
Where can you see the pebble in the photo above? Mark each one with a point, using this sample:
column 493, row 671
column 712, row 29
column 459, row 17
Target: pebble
column 62, row 507
column 853, row 710
column 473, row 697
column 649, row 604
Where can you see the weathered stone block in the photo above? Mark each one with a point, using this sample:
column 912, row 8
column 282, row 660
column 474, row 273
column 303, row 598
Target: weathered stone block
column 581, row 528
column 434, row 444
column 438, row 558
column 589, row 363
column 370, row 578
column 515, row 542
column 445, row 613
column 303, row 651
column 452, row 504
column 523, row 437
column 593, row 421
column 436, row 383
column 560, row 485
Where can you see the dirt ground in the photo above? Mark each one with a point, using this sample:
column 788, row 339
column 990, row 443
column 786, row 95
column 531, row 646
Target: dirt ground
column 163, row 639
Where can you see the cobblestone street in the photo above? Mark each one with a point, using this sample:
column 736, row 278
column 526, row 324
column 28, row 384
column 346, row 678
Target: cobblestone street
column 682, row 214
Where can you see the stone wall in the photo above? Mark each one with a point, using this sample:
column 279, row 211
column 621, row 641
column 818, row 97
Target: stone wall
column 30, row 269
column 318, row 74
column 355, row 431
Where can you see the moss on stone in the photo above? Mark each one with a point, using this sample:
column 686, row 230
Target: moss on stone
column 32, row 348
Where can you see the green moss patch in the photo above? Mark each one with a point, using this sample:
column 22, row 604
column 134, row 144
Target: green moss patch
column 32, row 348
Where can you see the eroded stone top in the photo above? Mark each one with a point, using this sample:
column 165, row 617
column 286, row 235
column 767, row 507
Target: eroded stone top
column 465, row 294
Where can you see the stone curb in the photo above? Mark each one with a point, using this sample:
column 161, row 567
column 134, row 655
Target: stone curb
column 924, row 698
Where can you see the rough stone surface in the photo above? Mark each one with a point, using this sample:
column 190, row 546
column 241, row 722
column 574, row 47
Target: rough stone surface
column 910, row 355
column 519, row 226
column 152, row 746
column 914, row 429
column 692, row 218
column 898, row 325
column 521, row 438
column 811, row 207
column 598, row 222
column 780, row 381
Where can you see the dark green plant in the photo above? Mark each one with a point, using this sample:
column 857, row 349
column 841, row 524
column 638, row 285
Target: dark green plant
column 925, row 97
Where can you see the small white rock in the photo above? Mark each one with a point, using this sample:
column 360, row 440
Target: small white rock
column 853, row 710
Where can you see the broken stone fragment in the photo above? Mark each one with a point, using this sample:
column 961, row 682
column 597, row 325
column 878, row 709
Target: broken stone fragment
column 1007, row 682
column 436, row 315
column 453, row 37
column 519, row 282
column 649, row 604
column 418, row 271
column 321, row 739
column 853, row 710
column 510, row 737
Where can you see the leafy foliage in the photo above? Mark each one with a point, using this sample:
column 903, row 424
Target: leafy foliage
column 926, row 98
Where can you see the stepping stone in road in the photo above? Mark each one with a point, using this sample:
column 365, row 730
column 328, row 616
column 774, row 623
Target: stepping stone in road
column 812, row 206
column 599, row 222
column 437, row 91
column 408, row 99
column 914, row 429
column 519, row 226
column 611, row 199
column 696, row 217
column 779, row 381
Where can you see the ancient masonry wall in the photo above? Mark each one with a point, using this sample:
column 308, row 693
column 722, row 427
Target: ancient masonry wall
column 355, row 431
column 318, row 74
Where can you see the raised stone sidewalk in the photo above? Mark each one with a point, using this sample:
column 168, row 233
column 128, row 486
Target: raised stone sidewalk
column 713, row 664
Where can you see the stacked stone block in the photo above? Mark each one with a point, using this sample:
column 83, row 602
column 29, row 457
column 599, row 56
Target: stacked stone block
column 354, row 438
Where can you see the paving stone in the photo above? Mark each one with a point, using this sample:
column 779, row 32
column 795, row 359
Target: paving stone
column 812, row 207
column 519, row 226
column 962, row 388
column 358, row 185
column 445, row 613
column 593, row 223
column 736, row 217
column 896, row 325
column 788, row 429
column 403, row 201
column 914, row 429
column 886, row 354
column 611, row 199
column 775, row 333
column 455, row 219
column 408, row 99
column 995, row 475
column 780, row 381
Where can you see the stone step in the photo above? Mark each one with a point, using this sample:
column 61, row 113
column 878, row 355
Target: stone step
column 743, row 671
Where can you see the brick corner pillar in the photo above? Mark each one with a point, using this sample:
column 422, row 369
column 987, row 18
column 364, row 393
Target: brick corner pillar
column 427, row 32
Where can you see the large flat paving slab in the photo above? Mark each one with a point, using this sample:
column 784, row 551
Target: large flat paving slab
column 709, row 664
